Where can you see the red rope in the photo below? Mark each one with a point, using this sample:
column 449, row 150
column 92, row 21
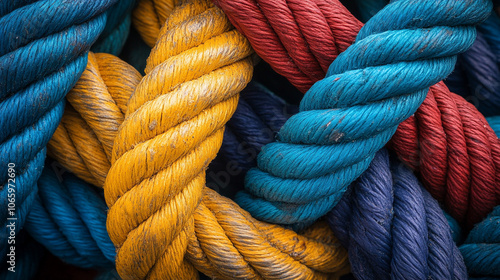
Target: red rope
column 456, row 153
column 447, row 141
column 302, row 41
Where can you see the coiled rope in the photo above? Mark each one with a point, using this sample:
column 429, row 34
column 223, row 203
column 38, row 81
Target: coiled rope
column 454, row 136
column 219, row 246
column 69, row 218
column 150, row 15
column 481, row 249
column 83, row 142
column 302, row 41
column 477, row 75
column 303, row 175
column 393, row 228
column 117, row 28
column 43, row 51
column 458, row 164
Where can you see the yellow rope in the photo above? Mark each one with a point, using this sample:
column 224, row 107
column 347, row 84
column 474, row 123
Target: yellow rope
column 172, row 130
column 97, row 105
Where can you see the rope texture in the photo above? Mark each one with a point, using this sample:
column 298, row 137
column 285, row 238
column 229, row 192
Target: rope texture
column 315, row 254
column 43, row 46
column 456, row 153
column 259, row 116
column 117, row 28
column 149, row 16
column 28, row 257
column 83, row 141
column 481, row 249
column 477, row 74
column 221, row 69
column 393, row 228
column 302, row 41
column 320, row 151
column 69, row 218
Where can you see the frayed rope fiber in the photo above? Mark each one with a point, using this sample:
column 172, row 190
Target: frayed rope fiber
column 219, row 244
column 477, row 74
column 68, row 217
column 320, row 151
column 393, row 228
column 443, row 125
column 43, row 51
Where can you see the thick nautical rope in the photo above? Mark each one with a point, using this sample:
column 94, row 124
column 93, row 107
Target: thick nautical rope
column 302, row 41
column 115, row 33
column 481, row 248
column 43, row 51
column 393, row 228
column 149, row 16
column 477, row 74
column 69, row 218
column 458, row 164
column 161, row 114
column 322, row 257
column 83, row 141
column 409, row 134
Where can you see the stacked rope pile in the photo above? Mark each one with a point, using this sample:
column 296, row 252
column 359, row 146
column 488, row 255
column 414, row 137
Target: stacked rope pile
column 43, row 51
column 222, row 229
column 149, row 141
column 410, row 143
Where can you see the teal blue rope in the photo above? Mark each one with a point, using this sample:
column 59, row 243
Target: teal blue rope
column 347, row 117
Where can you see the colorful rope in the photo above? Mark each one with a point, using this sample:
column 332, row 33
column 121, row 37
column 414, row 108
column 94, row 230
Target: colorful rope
column 43, row 50
column 295, row 183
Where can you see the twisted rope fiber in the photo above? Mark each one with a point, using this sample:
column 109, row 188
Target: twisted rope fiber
column 393, row 228
column 481, row 249
column 316, row 250
column 458, row 164
column 456, row 133
column 494, row 122
column 324, row 257
column 259, row 116
column 43, row 48
column 117, row 28
column 149, row 16
column 69, row 218
column 302, row 41
column 83, row 141
column 477, row 74
column 302, row 176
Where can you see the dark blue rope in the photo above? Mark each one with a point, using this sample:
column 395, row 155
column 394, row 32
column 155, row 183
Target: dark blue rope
column 68, row 217
column 393, row 228
column 477, row 74
column 258, row 117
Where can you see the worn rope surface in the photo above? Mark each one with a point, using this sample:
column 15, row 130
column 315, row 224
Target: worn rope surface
column 393, row 228
column 481, row 249
column 69, row 218
column 477, row 74
column 169, row 214
column 453, row 136
column 302, row 41
column 149, row 16
column 295, row 183
column 458, row 164
column 83, row 141
column 43, row 51
column 216, row 252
